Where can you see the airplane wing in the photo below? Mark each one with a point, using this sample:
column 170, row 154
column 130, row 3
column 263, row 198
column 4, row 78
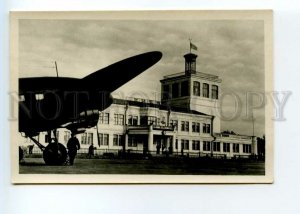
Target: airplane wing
column 114, row 76
column 107, row 79
column 41, row 84
column 49, row 102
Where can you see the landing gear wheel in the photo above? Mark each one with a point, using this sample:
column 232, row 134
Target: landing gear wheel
column 55, row 154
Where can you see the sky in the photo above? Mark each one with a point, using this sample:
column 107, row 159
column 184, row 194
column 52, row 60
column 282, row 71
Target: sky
column 231, row 49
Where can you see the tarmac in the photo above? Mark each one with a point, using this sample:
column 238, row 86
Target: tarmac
column 159, row 166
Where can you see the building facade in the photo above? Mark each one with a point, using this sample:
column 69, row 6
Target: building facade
column 183, row 122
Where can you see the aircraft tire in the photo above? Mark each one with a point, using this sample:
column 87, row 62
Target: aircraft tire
column 55, row 154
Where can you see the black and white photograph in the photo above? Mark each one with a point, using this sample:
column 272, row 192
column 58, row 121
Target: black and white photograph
column 141, row 97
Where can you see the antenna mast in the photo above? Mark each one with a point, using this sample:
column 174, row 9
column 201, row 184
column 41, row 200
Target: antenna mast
column 56, row 68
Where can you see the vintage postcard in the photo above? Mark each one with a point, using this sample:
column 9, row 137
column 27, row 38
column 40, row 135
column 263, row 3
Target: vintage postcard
column 141, row 97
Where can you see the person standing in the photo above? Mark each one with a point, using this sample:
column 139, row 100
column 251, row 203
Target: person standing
column 91, row 151
column 30, row 149
column 73, row 145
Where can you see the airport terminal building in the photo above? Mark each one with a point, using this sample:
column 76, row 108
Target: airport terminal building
column 183, row 122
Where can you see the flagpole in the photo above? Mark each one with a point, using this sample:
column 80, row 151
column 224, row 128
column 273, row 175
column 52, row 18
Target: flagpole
column 190, row 45
column 252, row 124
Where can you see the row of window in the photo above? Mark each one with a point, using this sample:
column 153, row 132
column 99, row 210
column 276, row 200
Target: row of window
column 185, row 145
column 183, row 88
column 216, row 146
column 205, row 90
column 118, row 119
column 195, row 127
column 87, row 139
column 148, row 120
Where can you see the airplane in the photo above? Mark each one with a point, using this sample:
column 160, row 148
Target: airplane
column 49, row 103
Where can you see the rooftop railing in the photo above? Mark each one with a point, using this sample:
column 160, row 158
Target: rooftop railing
column 235, row 136
column 143, row 100
column 197, row 74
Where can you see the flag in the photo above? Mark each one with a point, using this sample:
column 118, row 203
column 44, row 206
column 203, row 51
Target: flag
column 192, row 46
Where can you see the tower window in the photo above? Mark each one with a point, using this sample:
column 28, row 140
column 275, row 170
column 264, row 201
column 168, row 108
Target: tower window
column 175, row 90
column 205, row 90
column 214, row 92
column 190, row 63
column 193, row 66
column 184, row 88
column 196, row 88
column 166, row 92
column 190, row 66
